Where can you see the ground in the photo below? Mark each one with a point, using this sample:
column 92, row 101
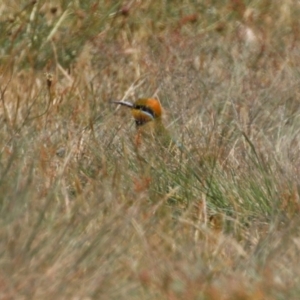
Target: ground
column 86, row 213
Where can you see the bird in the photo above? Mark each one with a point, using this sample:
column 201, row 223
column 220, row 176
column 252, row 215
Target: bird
column 147, row 114
column 156, row 150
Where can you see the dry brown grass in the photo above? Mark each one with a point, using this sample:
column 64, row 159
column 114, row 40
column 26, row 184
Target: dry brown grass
column 83, row 216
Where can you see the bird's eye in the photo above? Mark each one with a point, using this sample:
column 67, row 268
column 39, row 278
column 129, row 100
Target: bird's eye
column 145, row 109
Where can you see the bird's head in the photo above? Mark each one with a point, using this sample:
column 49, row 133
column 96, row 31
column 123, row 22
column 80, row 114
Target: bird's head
column 143, row 110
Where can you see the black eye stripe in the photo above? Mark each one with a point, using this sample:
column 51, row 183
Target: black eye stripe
column 146, row 109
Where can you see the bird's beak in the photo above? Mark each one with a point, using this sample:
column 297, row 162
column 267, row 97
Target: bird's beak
column 124, row 103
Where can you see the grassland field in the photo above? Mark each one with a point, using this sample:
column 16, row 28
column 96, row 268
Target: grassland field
column 84, row 215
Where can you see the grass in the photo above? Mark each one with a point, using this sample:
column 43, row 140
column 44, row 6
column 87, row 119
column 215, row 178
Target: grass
column 84, row 216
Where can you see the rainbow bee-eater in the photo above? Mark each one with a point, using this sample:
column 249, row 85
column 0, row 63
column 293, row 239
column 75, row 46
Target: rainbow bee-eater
column 147, row 114
column 154, row 144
